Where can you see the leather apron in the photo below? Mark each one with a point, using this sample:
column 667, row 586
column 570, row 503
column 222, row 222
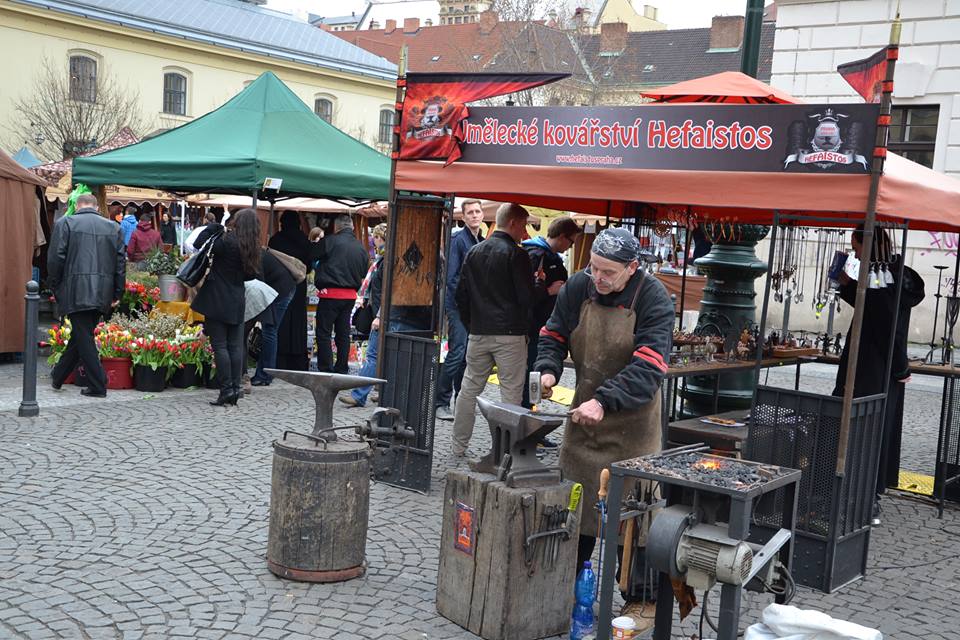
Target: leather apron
column 601, row 346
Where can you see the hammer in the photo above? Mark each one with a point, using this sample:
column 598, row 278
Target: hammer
column 536, row 396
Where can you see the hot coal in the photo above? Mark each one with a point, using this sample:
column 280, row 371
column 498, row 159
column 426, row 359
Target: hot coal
column 708, row 470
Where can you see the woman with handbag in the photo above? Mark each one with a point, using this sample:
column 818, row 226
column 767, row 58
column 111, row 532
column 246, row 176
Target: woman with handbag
column 366, row 318
column 235, row 258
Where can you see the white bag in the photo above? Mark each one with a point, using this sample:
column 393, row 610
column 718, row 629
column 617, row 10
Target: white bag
column 782, row 622
column 259, row 295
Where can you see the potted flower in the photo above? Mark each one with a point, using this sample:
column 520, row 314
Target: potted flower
column 152, row 359
column 194, row 358
column 164, row 265
column 113, row 345
column 137, row 297
column 59, row 337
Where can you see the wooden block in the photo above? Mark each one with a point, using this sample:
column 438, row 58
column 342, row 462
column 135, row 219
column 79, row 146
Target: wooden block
column 484, row 583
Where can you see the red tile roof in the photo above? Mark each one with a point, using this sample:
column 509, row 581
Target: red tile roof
column 465, row 47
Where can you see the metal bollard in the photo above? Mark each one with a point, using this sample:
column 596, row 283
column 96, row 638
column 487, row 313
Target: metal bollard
column 28, row 405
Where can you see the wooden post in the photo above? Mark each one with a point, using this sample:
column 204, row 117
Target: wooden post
column 101, row 192
column 856, row 325
column 390, row 249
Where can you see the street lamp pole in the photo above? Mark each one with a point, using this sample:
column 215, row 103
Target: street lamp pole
column 750, row 57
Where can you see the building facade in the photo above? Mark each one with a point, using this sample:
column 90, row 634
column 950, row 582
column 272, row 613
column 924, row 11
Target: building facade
column 184, row 58
column 462, row 11
column 814, row 36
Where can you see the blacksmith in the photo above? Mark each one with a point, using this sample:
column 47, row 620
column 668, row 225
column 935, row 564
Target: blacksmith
column 617, row 323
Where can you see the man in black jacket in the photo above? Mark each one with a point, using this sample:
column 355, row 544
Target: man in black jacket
column 342, row 266
column 494, row 296
column 87, row 272
column 617, row 325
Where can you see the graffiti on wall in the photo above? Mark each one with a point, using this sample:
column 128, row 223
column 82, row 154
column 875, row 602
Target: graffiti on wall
column 941, row 241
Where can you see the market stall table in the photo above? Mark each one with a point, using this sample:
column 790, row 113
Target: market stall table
column 722, row 439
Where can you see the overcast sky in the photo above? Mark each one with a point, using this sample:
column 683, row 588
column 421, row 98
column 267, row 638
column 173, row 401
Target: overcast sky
column 678, row 14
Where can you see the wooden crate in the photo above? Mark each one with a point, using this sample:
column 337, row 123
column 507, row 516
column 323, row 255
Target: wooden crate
column 483, row 583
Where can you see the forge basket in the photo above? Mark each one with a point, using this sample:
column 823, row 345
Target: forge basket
column 802, row 430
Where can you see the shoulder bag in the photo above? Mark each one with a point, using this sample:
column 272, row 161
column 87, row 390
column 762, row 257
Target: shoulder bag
column 258, row 295
column 193, row 270
column 296, row 268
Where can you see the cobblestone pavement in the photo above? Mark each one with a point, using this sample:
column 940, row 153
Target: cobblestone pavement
column 146, row 516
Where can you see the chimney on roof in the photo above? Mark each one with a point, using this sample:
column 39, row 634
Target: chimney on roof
column 488, row 20
column 391, row 26
column 411, row 25
column 726, row 32
column 374, row 25
column 428, row 22
column 613, row 37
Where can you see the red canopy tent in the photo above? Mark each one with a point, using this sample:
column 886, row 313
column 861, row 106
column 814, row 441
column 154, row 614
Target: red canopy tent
column 729, row 86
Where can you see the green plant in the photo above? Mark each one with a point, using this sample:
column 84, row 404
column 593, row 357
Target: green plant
column 193, row 350
column 163, row 263
column 148, row 280
column 153, row 353
column 161, row 326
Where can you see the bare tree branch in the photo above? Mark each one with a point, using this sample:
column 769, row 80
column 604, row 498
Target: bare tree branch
column 71, row 126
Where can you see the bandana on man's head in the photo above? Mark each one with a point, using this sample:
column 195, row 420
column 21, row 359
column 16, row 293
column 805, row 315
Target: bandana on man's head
column 616, row 244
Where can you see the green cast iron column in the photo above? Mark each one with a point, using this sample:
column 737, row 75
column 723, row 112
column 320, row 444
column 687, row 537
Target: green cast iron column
column 728, row 306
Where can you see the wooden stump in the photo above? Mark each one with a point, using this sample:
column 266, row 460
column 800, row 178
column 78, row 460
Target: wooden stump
column 319, row 503
column 484, row 583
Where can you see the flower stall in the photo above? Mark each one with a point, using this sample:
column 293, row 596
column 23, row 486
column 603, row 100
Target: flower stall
column 144, row 352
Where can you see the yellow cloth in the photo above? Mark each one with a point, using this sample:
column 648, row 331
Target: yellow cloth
column 179, row 309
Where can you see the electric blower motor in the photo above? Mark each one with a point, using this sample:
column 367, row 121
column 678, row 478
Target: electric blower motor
column 699, row 554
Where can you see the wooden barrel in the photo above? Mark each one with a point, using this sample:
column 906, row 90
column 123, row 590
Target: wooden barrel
column 319, row 501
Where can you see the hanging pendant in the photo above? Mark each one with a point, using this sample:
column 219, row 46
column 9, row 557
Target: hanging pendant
column 888, row 274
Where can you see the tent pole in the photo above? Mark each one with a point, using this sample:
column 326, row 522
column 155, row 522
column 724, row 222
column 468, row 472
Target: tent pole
column 856, row 325
column 271, row 224
column 766, row 301
column 683, row 274
column 390, row 249
column 255, row 197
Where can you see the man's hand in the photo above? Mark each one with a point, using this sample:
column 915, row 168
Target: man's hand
column 905, row 380
column 375, row 324
column 554, row 288
column 589, row 413
column 547, row 382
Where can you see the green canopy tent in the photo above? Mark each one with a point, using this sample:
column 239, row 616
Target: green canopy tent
column 265, row 131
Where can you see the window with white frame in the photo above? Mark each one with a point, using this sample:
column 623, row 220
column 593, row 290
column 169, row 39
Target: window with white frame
column 323, row 107
column 175, row 94
column 83, row 78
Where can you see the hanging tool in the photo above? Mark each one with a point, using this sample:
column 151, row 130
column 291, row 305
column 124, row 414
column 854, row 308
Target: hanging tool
column 802, row 262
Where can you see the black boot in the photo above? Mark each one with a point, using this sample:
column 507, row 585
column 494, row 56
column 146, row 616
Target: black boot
column 226, row 397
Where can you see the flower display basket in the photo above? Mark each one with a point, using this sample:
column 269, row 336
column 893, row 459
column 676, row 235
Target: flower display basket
column 146, row 378
column 118, row 372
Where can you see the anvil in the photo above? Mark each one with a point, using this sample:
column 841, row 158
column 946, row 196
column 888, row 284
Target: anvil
column 325, row 387
column 515, row 432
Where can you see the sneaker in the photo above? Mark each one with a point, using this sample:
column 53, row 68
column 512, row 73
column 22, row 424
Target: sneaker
column 547, row 443
column 349, row 400
column 643, row 614
column 444, row 413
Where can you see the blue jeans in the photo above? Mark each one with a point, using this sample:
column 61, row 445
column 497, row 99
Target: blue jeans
column 268, row 344
column 451, row 373
column 369, row 368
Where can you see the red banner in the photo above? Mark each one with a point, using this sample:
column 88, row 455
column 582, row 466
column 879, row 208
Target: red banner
column 867, row 75
column 436, row 103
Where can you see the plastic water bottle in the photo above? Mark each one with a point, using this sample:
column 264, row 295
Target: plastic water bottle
column 582, row 620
